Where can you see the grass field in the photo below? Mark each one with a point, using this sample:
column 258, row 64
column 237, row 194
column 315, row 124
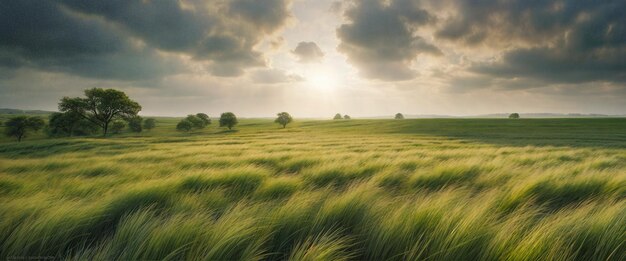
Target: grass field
column 431, row 189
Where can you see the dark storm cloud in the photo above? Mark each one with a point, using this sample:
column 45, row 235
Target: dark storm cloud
column 381, row 39
column 42, row 35
column 308, row 52
column 545, row 42
column 559, row 41
column 126, row 39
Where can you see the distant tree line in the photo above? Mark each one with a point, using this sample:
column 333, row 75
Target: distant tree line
column 106, row 110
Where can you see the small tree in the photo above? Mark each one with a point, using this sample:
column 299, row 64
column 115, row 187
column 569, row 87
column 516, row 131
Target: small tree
column 399, row 116
column 134, row 124
column 514, row 116
column 19, row 126
column 101, row 106
column 196, row 121
column 228, row 119
column 283, row 119
column 346, row 117
column 117, row 126
column 337, row 117
column 205, row 118
column 184, row 125
column 149, row 124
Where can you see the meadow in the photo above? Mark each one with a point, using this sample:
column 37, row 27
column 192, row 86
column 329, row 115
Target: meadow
column 415, row 189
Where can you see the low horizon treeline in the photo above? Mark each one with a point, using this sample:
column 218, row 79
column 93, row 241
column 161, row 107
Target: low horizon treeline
column 112, row 110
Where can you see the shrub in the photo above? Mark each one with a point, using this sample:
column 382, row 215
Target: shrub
column 149, row 124
column 184, row 125
column 134, row 124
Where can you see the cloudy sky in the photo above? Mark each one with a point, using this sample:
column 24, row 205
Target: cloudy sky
column 314, row 58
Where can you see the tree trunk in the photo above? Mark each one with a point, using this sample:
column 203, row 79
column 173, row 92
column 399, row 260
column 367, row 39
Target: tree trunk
column 106, row 127
column 284, row 125
column 19, row 138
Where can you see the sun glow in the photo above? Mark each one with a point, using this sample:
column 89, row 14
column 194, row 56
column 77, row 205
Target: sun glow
column 322, row 78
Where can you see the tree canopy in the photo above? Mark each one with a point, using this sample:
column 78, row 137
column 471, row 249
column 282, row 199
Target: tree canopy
column 399, row 116
column 205, row 118
column 346, row 117
column 228, row 119
column 117, row 126
column 101, row 106
column 337, row 117
column 514, row 116
column 283, row 119
column 69, row 124
column 19, row 126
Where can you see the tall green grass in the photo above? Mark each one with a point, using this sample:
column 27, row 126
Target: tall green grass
column 322, row 190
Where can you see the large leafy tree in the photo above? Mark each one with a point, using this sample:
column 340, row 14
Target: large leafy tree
column 399, row 116
column 19, row 126
column 283, row 119
column 101, row 106
column 337, row 117
column 228, row 119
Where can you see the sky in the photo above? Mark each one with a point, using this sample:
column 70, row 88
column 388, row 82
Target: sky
column 315, row 58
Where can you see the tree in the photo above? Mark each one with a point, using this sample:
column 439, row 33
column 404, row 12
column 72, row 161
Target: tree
column 69, row 124
column 101, row 106
column 184, row 125
column 283, row 119
column 346, row 117
column 134, row 124
column 149, row 124
column 514, row 116
column 399, row 116
column 117, row 126
column 205, row 118
column 228, row 119
column 19, row 126
column 337, row 117
column 196, row 121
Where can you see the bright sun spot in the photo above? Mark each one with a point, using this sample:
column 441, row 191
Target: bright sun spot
column 321, row 78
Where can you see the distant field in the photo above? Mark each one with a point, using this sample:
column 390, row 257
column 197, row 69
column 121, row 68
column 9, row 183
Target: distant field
column 427, row 189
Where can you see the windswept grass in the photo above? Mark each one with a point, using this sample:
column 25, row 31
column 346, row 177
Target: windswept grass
column 322, row 190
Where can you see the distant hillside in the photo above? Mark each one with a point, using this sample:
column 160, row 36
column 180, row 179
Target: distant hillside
column 18, row 111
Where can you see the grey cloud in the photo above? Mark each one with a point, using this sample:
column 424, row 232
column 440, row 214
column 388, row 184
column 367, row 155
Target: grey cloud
column 272, row 76
column 381, row 39
column 40, row 34
column 124, row 39
column 553, row 42
column 308, row 52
